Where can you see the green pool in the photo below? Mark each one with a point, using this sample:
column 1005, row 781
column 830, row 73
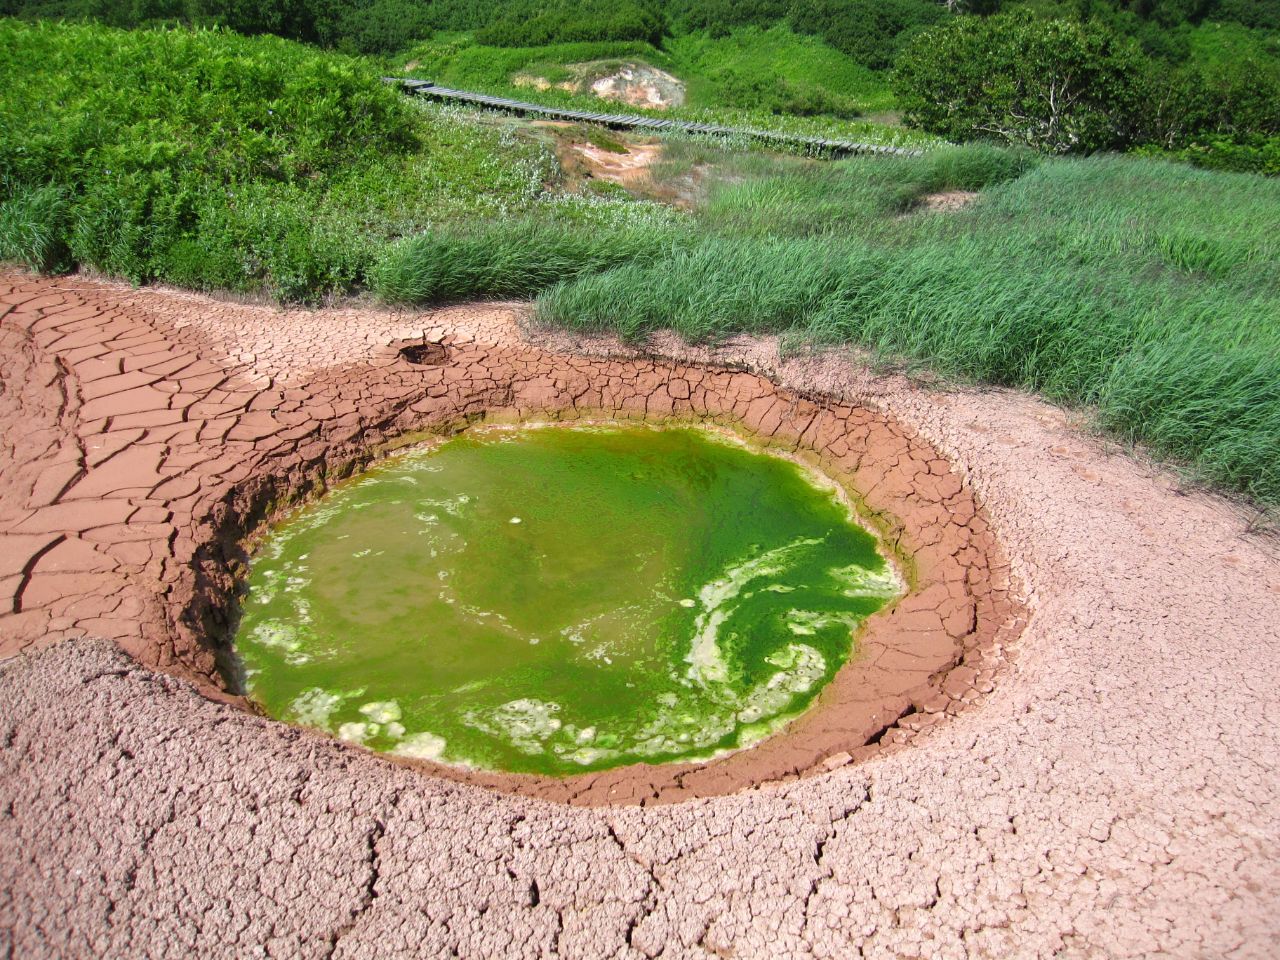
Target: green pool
column 560, row 599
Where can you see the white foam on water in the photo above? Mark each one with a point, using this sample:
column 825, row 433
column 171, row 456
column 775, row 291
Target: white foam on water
column 450, row 505
column 858, row 581
column 357, row 732
column 314, row 707
column 277, row 635
column 586, row 755
column 801, row 666
column 265, row 592
column 525, row 723
column 381, row 711
column 420, row 746
column 705, row 659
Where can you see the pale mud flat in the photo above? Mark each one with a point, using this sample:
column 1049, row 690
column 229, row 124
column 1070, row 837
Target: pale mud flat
column 628, row 169
column 634, row 83
column 1111, row 791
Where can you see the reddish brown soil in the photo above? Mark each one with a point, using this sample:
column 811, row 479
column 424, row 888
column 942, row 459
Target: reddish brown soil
column 149, row 438
column 1116, row 796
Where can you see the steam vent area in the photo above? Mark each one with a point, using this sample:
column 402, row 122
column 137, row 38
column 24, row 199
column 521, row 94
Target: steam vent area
column 357, row 633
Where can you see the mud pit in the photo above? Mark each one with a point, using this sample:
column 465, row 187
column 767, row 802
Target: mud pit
column 176, row 427
column 1108, row 802
column 559, row 599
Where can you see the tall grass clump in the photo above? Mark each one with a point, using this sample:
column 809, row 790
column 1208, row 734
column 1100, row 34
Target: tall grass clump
column 33, row 228
column 772, row 196
column 1146, row 290
column 509, row 259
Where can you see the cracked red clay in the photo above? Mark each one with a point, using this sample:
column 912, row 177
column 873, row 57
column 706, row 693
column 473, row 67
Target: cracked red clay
column 1107, row 802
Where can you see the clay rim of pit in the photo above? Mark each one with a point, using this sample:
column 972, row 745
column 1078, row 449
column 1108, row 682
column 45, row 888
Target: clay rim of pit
column 854, row 717
column 137, row 514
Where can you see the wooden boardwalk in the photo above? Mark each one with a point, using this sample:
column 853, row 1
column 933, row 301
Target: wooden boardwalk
column 622, row 121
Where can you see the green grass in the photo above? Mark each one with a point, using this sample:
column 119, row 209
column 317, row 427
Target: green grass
column 515, row 258
column 776, row 70
column 743, row 69
column 744, row 79
column 1146, row 290
column 215, row 161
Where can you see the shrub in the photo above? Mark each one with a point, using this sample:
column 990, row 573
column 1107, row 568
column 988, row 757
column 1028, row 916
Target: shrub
column 383, row 26
column 869, row 31
column 719, row 17
column 1055, row 85
column 141, row 153
column 1260, row 14
column 531, row 23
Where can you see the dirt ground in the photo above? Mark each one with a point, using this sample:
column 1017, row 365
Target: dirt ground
column 634, row 83
column 1111, row 791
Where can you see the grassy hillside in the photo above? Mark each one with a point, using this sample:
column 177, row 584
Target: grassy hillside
column 216, row 161
column 1146, row 290
column 773, row 79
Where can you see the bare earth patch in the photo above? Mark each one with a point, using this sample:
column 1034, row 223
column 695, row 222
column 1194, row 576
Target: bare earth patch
column 632, row 82
column 1111, row 793
column 629, row 168
column 948, row 200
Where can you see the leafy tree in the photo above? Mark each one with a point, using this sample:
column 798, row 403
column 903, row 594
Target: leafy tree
column 1260, row 14
column 384, row 26
column 869, row 31
column 534, row 23
column 1058, row 86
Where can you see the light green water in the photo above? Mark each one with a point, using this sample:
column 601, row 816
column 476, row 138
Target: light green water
column 554, row 600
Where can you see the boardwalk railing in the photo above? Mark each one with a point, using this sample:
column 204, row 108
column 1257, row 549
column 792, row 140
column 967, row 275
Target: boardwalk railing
column 621, row 121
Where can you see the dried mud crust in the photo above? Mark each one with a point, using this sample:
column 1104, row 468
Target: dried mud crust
column 1119, row 797
column 166, row 436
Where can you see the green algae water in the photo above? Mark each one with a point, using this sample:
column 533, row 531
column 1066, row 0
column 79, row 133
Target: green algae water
column 557, row 600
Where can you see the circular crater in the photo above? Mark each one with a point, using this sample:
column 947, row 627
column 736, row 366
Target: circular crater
column 555, row 601
column 425, row 354
column 176, row 498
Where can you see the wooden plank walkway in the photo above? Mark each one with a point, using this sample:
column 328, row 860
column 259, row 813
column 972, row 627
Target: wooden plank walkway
column 821, row 146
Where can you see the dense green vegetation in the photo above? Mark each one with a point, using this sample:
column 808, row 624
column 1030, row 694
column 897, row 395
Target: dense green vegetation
column 1199, row 78
column 215, row 161
column 775, row 72
column 1063, row 86
column 1144, row 289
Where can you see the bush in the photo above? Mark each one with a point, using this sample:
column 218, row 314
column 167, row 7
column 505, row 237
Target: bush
column 532, row 23
column 383, row 26
column 1260, row 14
column 869, row 31
column 191, row 156
column 1054, row 85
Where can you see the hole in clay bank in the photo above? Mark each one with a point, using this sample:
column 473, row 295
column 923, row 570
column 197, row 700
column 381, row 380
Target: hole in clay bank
column 425, row 354
column 560, row 600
